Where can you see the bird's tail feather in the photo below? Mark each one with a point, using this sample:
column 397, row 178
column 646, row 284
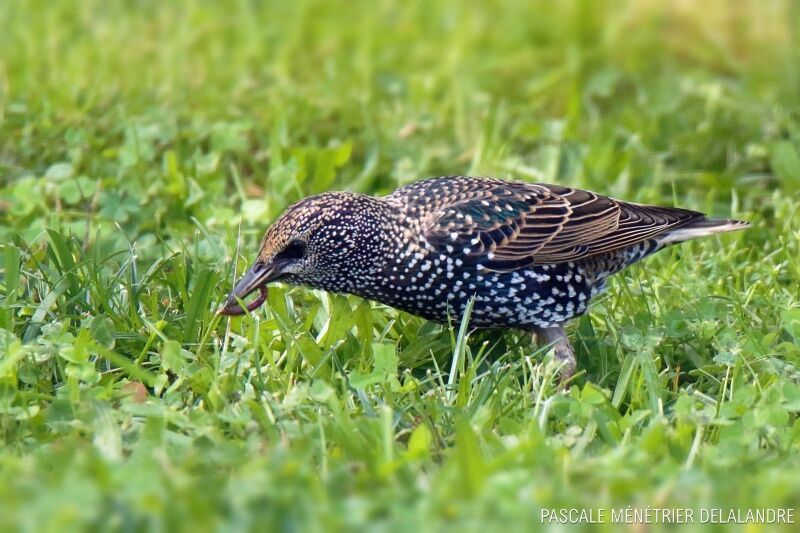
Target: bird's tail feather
column 701, row 228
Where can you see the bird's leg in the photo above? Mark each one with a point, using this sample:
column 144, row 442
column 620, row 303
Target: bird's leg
column 562, row 349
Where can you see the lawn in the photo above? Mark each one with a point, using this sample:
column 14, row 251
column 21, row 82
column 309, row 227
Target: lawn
column 145, row 146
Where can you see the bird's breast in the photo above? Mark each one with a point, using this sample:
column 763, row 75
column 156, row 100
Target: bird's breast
column 438, row 287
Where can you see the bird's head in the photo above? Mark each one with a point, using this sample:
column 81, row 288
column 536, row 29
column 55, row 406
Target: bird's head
column 324, row 241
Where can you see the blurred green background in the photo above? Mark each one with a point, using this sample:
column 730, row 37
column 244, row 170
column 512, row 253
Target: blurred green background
column 145, row 146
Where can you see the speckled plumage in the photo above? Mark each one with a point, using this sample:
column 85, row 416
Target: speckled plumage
column 531, row 255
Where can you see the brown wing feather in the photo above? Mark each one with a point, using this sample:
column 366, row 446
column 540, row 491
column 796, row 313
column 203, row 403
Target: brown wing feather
column 510, row 224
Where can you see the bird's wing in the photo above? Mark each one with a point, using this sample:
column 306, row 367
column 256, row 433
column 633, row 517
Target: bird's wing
column 507, row 225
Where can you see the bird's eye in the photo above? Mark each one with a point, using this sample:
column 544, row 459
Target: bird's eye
column 293, row 250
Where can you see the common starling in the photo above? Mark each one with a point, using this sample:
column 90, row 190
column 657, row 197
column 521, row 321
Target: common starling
column 531, row 255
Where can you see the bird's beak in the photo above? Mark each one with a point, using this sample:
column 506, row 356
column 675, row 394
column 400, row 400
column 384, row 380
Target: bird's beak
column 254, row 279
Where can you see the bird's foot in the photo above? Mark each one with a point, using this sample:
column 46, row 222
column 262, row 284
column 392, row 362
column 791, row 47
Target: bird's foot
column 563, row 351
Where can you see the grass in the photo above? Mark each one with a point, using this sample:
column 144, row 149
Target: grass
column 145, row 146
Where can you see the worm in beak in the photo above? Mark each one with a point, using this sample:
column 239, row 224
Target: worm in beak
column 254, row 279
